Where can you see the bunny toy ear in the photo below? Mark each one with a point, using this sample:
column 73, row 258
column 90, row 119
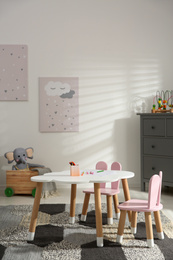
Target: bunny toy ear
column 29, row 152
column 9, row 156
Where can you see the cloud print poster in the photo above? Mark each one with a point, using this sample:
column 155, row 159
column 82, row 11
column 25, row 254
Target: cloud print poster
column 59, row 104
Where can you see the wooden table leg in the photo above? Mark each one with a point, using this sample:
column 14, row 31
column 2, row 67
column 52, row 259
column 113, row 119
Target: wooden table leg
column 98, row 211
column 126, row 195
column 35, row 211
column 73, row 203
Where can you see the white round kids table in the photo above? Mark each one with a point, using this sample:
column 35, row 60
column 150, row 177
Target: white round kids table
column 95, row 177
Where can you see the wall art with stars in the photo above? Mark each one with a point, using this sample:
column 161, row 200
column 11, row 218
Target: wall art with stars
column 13, row 72
column 59, row 110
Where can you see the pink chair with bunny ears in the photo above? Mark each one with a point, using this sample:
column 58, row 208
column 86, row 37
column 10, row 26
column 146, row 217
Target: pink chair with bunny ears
column 147, row 206
column 109, row 192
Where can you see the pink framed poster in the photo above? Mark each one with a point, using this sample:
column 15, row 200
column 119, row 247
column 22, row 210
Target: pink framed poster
column 13, row 72
column 58, row 104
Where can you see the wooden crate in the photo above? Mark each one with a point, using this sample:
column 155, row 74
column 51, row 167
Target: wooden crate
column 20, row 181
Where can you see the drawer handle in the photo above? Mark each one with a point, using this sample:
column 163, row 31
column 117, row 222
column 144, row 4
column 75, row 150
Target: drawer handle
column 153, row 146
column 153, row 127
column 153, row 168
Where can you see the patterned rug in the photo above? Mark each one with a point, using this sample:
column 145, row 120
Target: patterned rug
column 55, row 238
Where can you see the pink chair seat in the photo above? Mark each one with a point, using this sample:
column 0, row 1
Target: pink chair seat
column 103, row 191
column 138, row 205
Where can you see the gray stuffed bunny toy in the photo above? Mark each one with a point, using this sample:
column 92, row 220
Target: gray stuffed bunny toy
column 20, row 156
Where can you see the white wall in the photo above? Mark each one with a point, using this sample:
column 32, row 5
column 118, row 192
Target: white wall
column 119, row 49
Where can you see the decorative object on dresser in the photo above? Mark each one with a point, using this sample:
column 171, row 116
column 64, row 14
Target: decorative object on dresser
column 164, row 100
column 156, row 147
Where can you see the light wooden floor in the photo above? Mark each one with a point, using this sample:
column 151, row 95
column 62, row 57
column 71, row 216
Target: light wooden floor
column 64, row 197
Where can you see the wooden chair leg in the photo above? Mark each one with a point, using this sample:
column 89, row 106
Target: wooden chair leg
column 159, row 229
column 134, row 222
column 121, row 226
column 126, row 195
column 109, row 210
column 149, row 229
column 85, row 207
column 116, row 203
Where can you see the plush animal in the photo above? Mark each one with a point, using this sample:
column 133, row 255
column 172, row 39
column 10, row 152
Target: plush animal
column 20, row 156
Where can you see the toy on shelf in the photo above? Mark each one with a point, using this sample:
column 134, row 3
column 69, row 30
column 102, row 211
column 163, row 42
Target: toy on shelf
column 18, row 179
column 164, row 99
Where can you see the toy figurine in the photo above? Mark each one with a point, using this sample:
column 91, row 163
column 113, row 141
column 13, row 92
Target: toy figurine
column 20, row 156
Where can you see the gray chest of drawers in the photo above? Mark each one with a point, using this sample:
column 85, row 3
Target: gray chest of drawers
column 156, row 147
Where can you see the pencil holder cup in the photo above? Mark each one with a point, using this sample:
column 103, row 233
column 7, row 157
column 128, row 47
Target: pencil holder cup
column 74, row 170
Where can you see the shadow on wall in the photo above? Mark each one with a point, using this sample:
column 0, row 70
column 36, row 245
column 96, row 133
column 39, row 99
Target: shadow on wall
column 111, row 93
column 126, row 136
